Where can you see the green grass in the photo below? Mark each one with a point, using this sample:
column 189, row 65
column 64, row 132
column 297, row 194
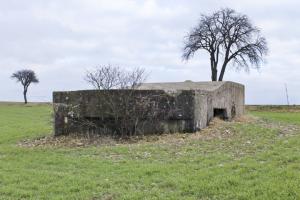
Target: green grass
column 286, row 117
column 254, row 163
column 286, row 114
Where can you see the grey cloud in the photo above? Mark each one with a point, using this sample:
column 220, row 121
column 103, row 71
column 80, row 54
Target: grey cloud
column 62, row 39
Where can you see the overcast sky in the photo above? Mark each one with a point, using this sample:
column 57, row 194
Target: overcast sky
column 61, row 39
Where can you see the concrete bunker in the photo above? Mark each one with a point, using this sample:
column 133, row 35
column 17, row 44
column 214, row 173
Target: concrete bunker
column 177, row 107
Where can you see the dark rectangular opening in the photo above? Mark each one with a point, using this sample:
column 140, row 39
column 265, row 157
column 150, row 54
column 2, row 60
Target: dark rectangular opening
column 220, row 113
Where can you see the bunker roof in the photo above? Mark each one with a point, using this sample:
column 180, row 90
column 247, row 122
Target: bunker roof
column 187, row 85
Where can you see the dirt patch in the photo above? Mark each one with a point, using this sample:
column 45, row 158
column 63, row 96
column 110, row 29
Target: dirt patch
column 67, row 141
column 217, row 128
column 73, row 141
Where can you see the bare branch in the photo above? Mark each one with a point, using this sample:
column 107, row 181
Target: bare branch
column 229, row 35
column 111, row 77
column 125, row 111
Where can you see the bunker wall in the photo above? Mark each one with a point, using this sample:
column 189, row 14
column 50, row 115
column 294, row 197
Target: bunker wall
column 231, row 97
column 94, row 111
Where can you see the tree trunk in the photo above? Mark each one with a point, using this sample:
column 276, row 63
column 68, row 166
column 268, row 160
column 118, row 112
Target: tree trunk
column 25, row 96
column 223, row 70
column 214, row 71
column 214, row 74
column 226, row 61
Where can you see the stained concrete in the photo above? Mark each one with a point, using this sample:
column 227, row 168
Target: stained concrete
column 209, row 96
column 179, row 107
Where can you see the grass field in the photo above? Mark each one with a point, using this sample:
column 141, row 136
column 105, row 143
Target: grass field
column 257, row 158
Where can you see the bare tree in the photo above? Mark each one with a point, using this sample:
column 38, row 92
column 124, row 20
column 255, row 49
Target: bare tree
column 125, row 110
column 25, row 77
column 111, row 77
column 228, row 37
column 104, row 77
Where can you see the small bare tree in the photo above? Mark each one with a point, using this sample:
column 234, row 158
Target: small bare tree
column 104, row 77
column 111, row 77
column 229, row 36
column 126, row 109
column 25, row 77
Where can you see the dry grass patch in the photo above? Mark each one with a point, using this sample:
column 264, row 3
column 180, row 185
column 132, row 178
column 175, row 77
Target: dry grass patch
column 217, row 129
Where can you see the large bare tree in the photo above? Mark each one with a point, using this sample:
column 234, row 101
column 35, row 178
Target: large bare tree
column 25, row 77
column 228, row 37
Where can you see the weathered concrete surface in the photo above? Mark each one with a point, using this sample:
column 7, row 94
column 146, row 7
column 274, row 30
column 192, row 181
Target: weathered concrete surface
column 74, row 110
column 209, row 96
column 178, row 107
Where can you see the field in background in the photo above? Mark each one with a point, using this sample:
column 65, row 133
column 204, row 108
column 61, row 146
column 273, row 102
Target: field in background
column 273, row 108
column 256, row 157
column 287, row 114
